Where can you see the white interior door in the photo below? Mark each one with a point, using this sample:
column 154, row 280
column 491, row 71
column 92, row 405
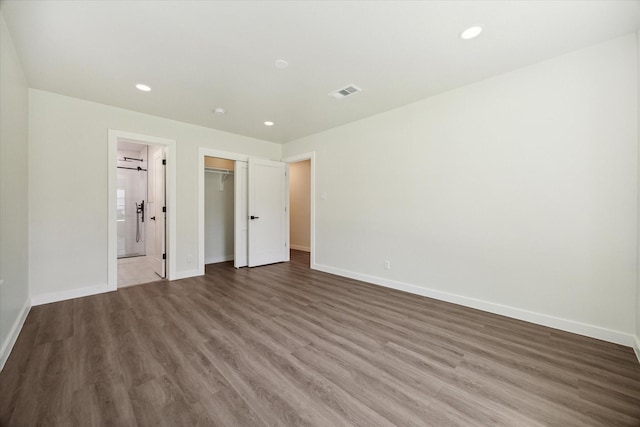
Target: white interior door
column 158, row 213
column 240, row 215
column 267, row 212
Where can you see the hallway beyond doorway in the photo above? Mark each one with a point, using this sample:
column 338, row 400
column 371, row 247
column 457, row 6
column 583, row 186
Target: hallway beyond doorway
column 301, row 258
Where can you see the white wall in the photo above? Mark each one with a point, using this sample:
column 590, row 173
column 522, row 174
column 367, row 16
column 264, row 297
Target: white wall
column 14, row 290
column 218, row 218
column 300, row 205
column 517, row 194
column 68, row 186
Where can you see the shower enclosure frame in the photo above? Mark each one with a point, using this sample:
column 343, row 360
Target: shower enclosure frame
column 132, row 189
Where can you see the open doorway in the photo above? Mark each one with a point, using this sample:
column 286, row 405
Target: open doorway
column 213, row 175
column 300, row 211
column 223, row 210
column 141, row 213
column 141, row 209
column 302, row 188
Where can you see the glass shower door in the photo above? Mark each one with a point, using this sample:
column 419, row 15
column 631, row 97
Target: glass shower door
column 131, row 215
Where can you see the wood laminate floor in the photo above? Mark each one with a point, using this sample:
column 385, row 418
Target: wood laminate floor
column 285, row 345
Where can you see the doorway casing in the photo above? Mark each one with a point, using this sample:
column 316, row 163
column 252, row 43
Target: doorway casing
column 112, row 251
column 202, row 153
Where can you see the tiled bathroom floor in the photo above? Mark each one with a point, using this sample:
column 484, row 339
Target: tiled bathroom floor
column 135, row 270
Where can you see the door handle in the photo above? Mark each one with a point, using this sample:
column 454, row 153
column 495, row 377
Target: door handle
column 153, row 218
column 254, row 217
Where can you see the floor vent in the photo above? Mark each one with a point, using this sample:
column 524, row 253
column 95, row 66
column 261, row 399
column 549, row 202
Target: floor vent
column 345, row 91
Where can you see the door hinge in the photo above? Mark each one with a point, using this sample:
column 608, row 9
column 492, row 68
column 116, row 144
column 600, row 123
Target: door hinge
column 164, row 256
column 164, row 209
column 164, row 162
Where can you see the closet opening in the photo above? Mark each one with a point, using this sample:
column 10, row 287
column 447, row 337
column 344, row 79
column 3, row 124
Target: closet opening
column 219, row 196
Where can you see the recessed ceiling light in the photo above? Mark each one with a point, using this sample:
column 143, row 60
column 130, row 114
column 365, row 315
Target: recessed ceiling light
column 281, row 64
column 268, row 123
column 143, row 88
column 471, row 32
column 219, row 111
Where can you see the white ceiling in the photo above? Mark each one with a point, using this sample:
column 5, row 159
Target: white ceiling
column 198, row 55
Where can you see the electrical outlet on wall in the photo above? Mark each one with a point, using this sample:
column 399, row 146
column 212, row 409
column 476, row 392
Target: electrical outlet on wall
column 387, row 264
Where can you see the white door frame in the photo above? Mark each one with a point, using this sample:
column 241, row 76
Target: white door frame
column 159, row 209
column 240, row 215
column 112, row 246
column 312, row 196
column 202, row 153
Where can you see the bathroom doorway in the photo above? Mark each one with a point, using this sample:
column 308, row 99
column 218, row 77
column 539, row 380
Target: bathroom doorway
column 152, row 224
column 140, row 197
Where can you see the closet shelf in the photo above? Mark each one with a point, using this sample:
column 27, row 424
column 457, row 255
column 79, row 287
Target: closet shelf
column 218, row 170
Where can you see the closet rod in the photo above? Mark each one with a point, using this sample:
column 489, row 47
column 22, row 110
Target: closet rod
column 133, row 169
column 217, row 170
column 128, row 159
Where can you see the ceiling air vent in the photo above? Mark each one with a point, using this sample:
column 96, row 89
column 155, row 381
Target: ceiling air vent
column 345, row 91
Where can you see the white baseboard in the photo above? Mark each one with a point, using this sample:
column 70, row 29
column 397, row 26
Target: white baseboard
column 214, row 259
column 516, row 313
column 636, row 346
column 10, row 340
column 70, row 294
column 300, row 248
column 185, row 274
